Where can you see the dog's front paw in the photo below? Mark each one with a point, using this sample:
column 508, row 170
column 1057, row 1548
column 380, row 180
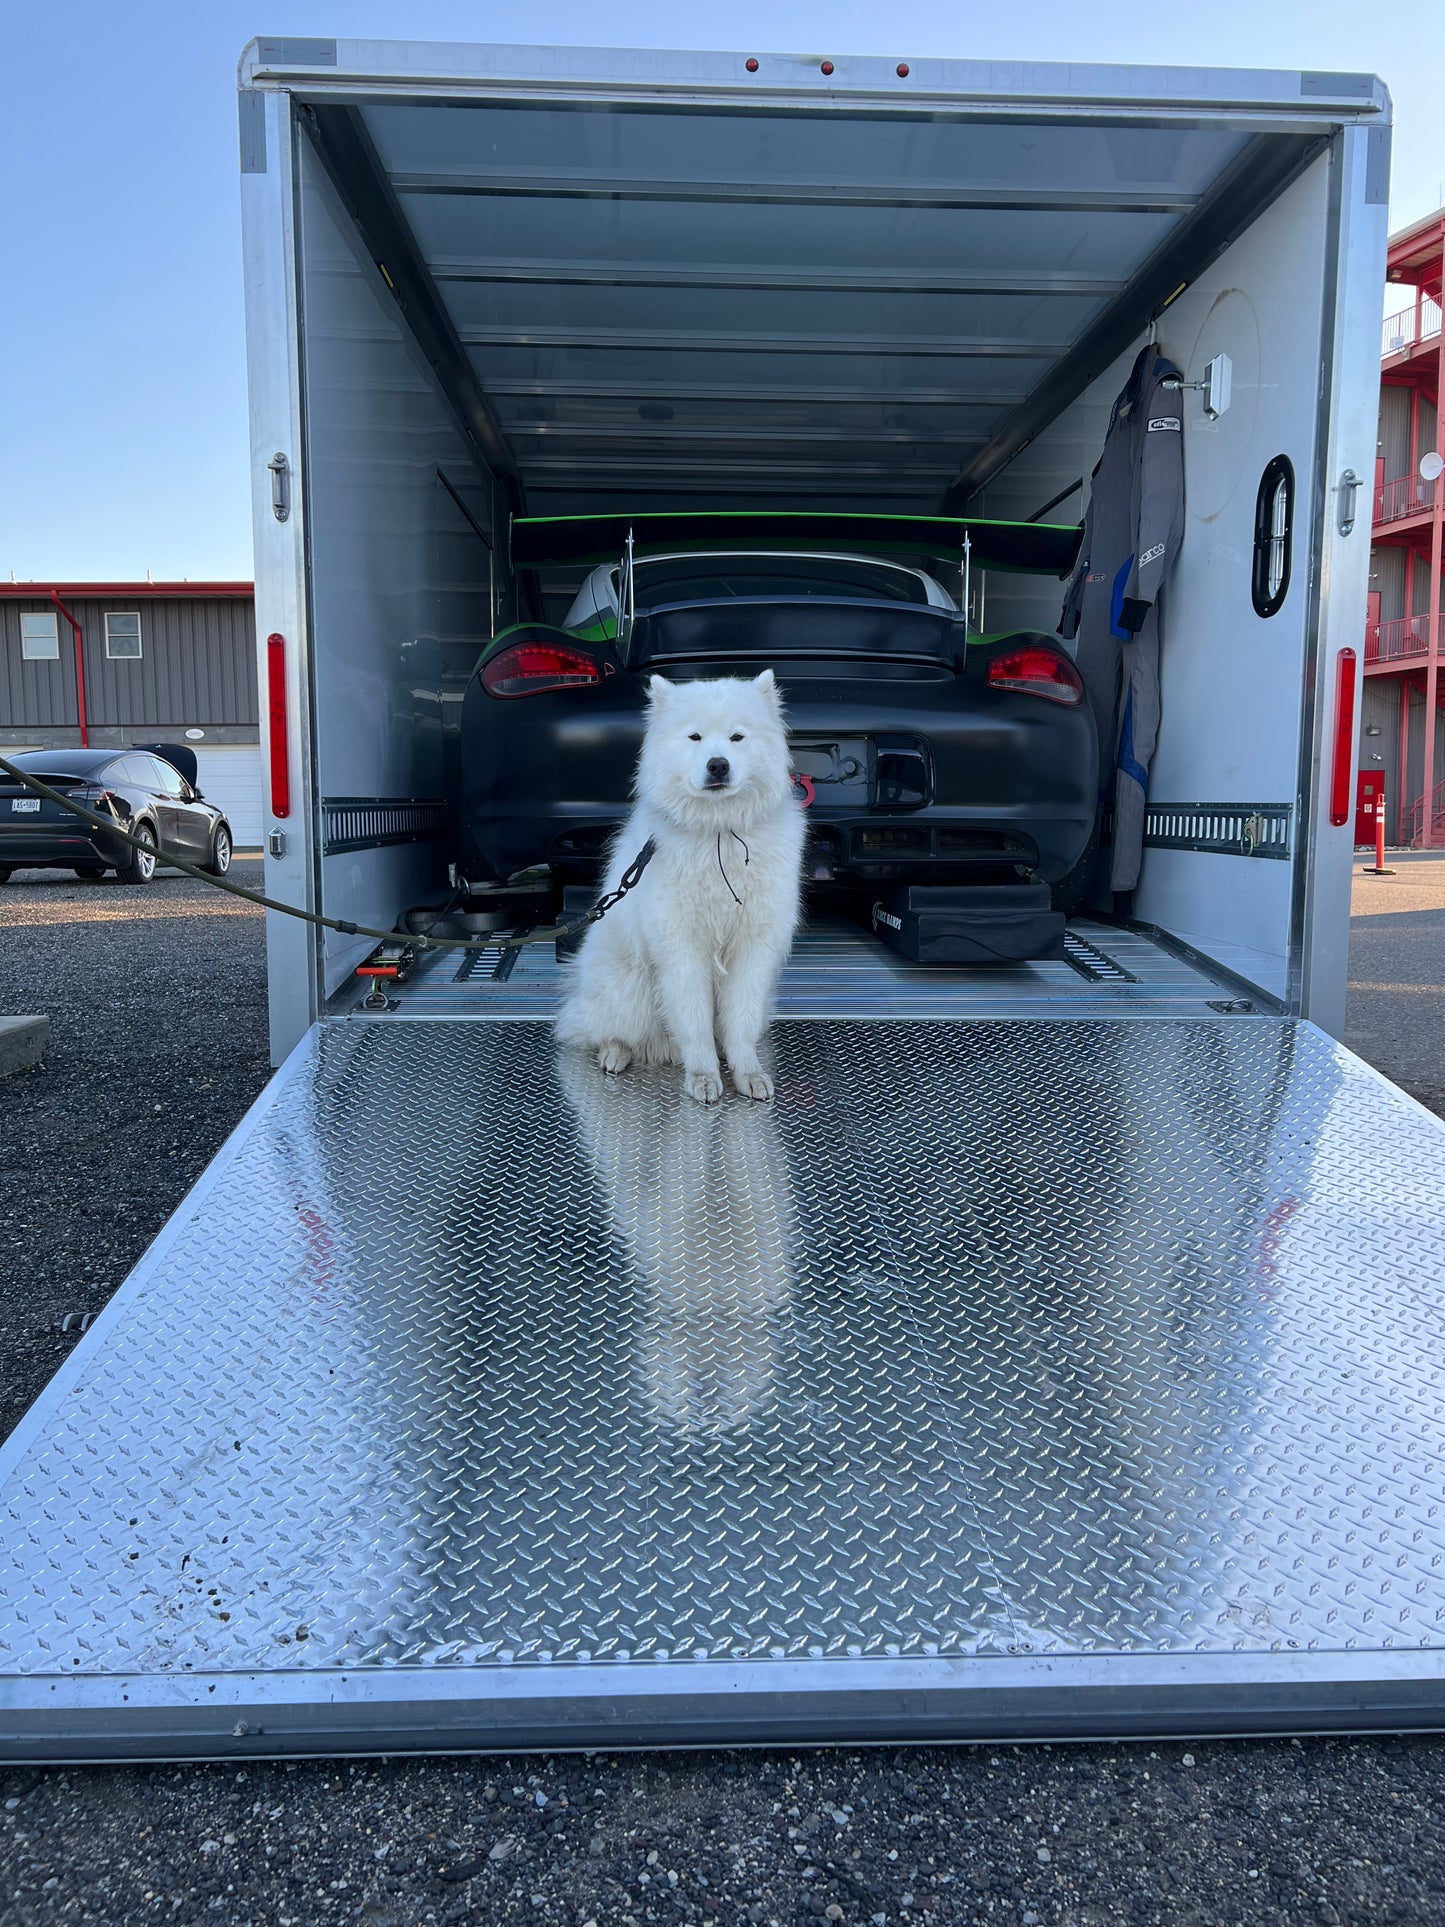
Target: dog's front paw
column 705, row 1086
column 754, row 1084
column 614, row 1058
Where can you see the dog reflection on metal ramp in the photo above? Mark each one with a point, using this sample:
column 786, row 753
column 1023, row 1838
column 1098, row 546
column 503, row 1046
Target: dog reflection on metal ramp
column 701, row 1202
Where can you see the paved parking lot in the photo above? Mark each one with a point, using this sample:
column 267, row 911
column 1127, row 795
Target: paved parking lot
column 157, row 1004
column 1397, row 974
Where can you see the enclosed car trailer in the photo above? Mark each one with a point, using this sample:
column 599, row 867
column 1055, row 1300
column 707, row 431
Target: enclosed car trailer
column 1062, row 1352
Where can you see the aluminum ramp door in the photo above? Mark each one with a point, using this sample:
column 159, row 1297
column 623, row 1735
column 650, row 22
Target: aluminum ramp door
column 1039, row 1378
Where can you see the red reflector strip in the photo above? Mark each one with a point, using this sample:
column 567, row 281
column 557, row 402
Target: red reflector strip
column 1344, row 738
column 276, row 725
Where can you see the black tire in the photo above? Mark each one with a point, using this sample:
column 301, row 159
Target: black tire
column 139, row 868
column 89, row 871
column 1071, row 889
column 4, row 873
column 221, row 848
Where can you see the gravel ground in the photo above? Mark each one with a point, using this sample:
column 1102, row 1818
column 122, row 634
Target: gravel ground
column 1396, row 1015
column 157, row 1005
column 1313, row 1832
column 156, row 997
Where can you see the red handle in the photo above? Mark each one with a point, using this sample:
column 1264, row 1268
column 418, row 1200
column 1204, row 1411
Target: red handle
column 1344, row 737
column 276, row 711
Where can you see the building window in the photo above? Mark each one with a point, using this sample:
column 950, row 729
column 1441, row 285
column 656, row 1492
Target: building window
column 122, row 635
column 40, row 636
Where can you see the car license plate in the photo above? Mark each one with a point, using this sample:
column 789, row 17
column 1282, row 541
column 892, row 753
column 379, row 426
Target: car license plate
column 22, row 804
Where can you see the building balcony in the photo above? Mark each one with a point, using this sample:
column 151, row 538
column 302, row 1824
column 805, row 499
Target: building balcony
column 1402, row 643
column 1407, row 495
column 1409, row 327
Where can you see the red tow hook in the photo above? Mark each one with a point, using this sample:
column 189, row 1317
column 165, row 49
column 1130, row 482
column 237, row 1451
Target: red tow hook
column 803, row 786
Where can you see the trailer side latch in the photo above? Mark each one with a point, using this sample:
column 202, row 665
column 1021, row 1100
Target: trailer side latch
column 1349, row 488
column 280, row 486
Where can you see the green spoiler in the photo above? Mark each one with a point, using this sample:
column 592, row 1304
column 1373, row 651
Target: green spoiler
column 1028, row 548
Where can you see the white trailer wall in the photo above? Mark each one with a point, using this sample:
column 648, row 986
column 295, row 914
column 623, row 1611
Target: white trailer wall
column 1231, row 682
column 401, row 582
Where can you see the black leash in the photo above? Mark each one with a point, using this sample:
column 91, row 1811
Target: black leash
column 629, row 880
column 747, row 859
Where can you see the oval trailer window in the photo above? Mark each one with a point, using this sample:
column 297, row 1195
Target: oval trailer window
column 1273, row 536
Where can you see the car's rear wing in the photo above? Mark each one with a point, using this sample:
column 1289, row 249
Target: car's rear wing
column 1032, row 548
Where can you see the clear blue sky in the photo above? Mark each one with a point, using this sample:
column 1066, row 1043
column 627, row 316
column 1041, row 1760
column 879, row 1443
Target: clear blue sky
column 122, row 376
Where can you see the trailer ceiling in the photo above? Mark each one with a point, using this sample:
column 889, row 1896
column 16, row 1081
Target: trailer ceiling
column 644, row 307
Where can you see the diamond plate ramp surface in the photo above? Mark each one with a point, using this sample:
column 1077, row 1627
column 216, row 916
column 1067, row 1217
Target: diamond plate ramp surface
column 994, row 1363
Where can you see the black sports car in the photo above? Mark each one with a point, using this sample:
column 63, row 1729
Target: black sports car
column 927, row 754
column 150, row 791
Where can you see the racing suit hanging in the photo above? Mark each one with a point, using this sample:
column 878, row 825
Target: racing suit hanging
column 1132, row 531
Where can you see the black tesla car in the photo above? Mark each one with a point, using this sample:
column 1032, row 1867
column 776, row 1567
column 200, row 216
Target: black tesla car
column 931, row 755
column 150, row 791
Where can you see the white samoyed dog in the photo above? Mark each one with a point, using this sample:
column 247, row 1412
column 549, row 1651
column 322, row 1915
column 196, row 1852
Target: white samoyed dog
column 686, row 965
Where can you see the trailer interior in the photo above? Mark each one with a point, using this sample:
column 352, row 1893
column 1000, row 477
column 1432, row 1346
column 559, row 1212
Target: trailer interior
column 1061, row 1353
column 585, row 304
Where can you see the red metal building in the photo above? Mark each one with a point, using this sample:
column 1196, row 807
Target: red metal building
column 1405, row 633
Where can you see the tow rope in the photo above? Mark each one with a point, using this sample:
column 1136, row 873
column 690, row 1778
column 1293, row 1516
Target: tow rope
column 570, row 926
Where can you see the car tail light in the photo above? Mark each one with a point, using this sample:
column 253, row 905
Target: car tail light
column 527, row 668
column 1037, row 670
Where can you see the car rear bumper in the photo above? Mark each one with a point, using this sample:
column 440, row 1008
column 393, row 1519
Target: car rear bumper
column 38, row 846
column 938, row 843
column 918, row 774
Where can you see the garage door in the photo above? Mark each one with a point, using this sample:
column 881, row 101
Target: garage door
column 231, row 779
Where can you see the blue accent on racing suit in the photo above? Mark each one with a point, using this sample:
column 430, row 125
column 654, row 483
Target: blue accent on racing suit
column 1127, row 761
column 1116, row 601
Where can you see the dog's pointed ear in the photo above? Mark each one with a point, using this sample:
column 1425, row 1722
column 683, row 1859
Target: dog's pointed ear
column 766, row 685
column 658, row 689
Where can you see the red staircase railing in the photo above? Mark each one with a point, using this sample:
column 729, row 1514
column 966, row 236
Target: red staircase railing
column 1399, row 329
column 1405, row 639
column 1406, row 495
column 1437, row 819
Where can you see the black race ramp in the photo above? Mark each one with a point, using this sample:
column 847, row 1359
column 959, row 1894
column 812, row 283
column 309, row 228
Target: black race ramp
column 1024, row 1378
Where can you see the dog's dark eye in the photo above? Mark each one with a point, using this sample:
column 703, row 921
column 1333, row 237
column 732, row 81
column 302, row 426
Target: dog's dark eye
column 736, row 737
column 694, row 737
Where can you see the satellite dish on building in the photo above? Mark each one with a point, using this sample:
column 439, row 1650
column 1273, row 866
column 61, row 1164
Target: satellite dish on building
column 1431, row 466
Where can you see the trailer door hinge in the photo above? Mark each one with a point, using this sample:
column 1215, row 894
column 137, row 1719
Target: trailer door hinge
column 280, row 486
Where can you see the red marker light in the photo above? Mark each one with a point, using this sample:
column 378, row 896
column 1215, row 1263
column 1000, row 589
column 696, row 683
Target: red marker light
column 276, row 725
column 827, row 67
column 751, row 65
column 902, row 70
column 1344, row 763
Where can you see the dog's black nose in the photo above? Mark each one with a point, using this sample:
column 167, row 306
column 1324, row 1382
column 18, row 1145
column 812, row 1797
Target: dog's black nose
column 717, row 769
